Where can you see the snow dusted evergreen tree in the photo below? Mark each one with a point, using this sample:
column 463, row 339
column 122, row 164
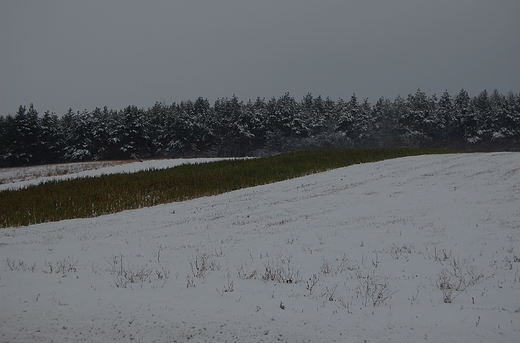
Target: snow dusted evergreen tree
column 384, row 125
column 444, row 118
column 503, row 123
column 319, row 115
column 6, row 150
column 164, row 141
column 257, row 114
column 353, row 120
column 347, row 113
column 315, row 122
column 253, row 129
column 67, row 125
column 50, row 140
column 462, row 109
column 467, row 118
column 98, row 132
column 511, row 121
column 481, row 108
column 158, row 129
column 189, row 134
column 133, row 142
column 277, row 126
column 400, row 114
column 201, row 117
column 235, row 133
column 76, row 136
column 86, row 132
column 285, row 115
column 416, row 119
column 491, row 119
column 23, row 138
column 365, row 123
column 223, row 128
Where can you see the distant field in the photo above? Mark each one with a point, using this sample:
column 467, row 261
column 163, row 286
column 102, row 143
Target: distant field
column 21, row 177
column 13, row 175
column 94, row 196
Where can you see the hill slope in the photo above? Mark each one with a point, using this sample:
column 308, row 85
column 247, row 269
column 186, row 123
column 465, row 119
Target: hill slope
column 411, row 249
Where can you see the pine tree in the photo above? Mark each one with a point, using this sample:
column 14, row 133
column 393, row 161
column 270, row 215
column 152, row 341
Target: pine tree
column 348, row 114
column 77, row 136
column 50, row 140
column 445, row 118
column 467, row 118
column 24, row 137
column 6, row 132
column 418, row 119
column 157, row 124
column 385, row 124
column 232, row 133
column 133, row 141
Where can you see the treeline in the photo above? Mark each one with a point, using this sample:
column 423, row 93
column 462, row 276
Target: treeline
column 231, row 127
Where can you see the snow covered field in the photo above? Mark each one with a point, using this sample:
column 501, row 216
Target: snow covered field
column 413, row 249
column 14, row 178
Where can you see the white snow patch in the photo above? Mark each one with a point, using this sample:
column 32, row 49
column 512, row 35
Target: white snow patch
column 303, row 260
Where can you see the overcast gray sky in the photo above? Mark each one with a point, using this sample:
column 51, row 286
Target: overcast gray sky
column 85, row 54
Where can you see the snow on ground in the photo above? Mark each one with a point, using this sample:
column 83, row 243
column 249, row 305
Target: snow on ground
column 14, row 178
column 367, row 253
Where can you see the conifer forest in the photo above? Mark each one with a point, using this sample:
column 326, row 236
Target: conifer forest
column 231, row 127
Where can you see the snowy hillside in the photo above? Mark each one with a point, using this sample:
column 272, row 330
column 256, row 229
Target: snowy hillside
column 414, row 249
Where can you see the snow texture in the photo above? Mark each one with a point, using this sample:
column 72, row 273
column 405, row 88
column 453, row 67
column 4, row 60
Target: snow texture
column 413, row 249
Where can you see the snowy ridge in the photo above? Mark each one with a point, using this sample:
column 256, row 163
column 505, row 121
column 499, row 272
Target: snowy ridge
column 414, row 249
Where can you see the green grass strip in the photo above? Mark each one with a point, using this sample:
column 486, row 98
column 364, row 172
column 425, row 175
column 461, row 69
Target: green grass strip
column 95, row 196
